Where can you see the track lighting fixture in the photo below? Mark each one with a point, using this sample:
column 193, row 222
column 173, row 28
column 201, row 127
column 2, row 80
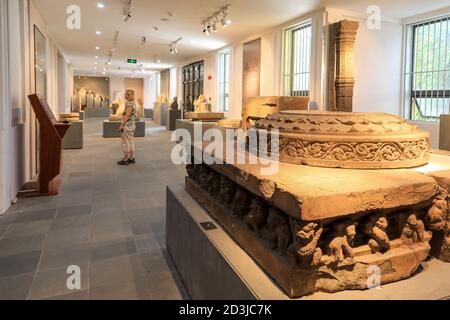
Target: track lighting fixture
column 211, row 23
column 206, row 29
column 173, row 46
column 127, row 12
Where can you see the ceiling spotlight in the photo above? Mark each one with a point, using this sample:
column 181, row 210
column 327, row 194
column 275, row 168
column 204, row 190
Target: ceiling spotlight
column 97, row 48
column 143, row 41
column 207, row 30
column 100, row 5
column 98, row 33
column 127, row 12
column 96, row 57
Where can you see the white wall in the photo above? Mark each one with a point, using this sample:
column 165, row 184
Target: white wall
column 13, row 72
column 150, row 83
column 173, row 83
column 377, row 64
column 116, row 84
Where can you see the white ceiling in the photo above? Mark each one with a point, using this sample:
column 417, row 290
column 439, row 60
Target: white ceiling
column 248, row 17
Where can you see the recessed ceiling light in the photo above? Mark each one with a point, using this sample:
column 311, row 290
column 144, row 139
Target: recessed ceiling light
column 96, row 62
column 97, row 48
column 96, row 57
column 100, row 5
column 229, row 22
column 98, row 33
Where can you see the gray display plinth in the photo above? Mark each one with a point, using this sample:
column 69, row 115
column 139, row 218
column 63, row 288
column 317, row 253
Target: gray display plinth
column 81, row 113
column 213, row 266
column 160, row 113
column 111, row 129
column 444, row 132
column 74, row 136
column 148, row 113
column 171, row 119
column 96, row 113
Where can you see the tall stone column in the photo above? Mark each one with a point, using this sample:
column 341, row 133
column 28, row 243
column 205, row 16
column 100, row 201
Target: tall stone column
column 341, row 80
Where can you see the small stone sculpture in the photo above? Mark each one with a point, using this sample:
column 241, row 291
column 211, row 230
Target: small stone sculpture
column 118, row 108
column 241, row 203
column 203, row 173
column 438, row 213
column 375, row 228
column 174, row 104
column 305, row 248
column 277, row 231
column 413, row 231
column 257, row 216
column 341, row 246
column 227, row 192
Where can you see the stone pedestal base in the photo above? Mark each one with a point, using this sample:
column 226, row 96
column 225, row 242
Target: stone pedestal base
column 111, row 129
column 213, row 266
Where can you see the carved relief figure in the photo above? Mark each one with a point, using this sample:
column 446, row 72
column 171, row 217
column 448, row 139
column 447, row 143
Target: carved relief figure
column 305, row 248
column 241, row 203
column 203, row 172
column 257, row 216
column 277, row 231
column 341, row 246
column 375, row 228
column 213, row 183
column 438, row 214
column 413, row 231
column 227, row 191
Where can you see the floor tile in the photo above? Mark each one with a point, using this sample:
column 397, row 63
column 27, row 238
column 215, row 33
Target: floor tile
column 19, row 264
column 110, row 232
column 77, row 255
column 15, row 287
column 132, row 289
column 102, row 251
column 35, row 215
column 53, row 283
column 16, row 246
column 70, row 211
column 27, row 229
column 65, row 239
column 65, row 222
column 121, row 268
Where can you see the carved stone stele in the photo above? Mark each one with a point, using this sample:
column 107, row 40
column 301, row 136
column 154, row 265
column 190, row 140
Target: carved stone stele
column 345, row 140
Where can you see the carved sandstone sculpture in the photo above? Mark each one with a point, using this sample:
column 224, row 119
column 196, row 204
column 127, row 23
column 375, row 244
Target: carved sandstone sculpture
column 241, row 203
column 376, row 229
column 227, row 192
column 413, row 230
column 345, row 140
column 340, row 248
column 277, row 231
column 305, row 247
column 257, row 216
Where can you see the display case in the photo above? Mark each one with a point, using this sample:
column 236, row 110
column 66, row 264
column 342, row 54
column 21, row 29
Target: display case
column 193, row 84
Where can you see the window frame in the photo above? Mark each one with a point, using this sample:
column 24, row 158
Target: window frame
column 224, row 80
column 410, row 92
column 288, row 58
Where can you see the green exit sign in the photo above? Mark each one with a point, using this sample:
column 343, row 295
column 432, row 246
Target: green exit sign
column 134, row 61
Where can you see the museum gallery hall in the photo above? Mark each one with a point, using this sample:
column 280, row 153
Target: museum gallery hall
column 277, row 150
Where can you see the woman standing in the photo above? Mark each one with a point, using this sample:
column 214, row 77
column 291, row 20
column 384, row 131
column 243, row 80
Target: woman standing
column 127, row 129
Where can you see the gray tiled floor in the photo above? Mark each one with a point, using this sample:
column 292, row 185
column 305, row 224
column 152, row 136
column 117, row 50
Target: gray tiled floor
column 108, row 220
